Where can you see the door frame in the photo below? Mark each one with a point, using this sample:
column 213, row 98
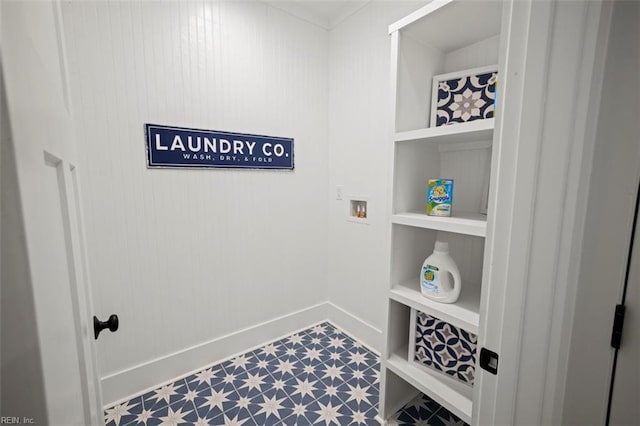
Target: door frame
column 589, row 314
column 554, row 55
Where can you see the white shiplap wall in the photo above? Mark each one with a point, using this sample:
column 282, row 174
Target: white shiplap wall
column 359, row 149
column 187, row 256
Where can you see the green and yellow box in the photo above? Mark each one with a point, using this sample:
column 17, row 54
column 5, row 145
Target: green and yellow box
column 439, row 197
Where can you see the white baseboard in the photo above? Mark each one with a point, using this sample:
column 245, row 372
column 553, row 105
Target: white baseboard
column 355, row 326
column 123, row 385
column 126, row 384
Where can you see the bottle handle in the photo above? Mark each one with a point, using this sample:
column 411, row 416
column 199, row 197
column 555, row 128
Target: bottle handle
column 457, row 283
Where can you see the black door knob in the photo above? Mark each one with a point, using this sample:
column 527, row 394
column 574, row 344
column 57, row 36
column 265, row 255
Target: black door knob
column 98, row 326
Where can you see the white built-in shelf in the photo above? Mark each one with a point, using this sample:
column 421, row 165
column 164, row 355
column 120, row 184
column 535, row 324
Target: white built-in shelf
column 463, row 314
column 472, row 20
column 473, row 131
column 444, row 36
column 461, row 223
column 451, row 394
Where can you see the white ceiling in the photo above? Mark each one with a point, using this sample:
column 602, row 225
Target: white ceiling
column 326, row 14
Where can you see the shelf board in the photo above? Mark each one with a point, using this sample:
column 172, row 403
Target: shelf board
column 473, row 131
column 451, row 394
column 461, row 223
column 463, row 314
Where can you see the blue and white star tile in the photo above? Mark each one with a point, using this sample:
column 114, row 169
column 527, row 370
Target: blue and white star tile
column 292, row 353
column 165, row 395
column 372, row 375
column 377, row 364
column 358, row 398
column 371, row 416
column 157, row 398
column 181, row 412
column 308, row 371
column 304, row 390
column 205, row 378
column 241, row 362
column 335, row 341
column 444, row 418
column 423, row 402
column 238, row 416
column 324, row 350
column 270, row 407
column 361, row 377
column 122, row 414
column 270, row 351
column 252, row 383
column 339, row 341
column 422, row 410
column 295, row 341
column 333, row 371
column 266, row 367
column 286, row 368
column 314, row 355
column 214, row 401
column 337, row 355
column 412, row 415
column 328, row 410
column 375, row 393
column 330, row 386
column 314, row 340
column 319, row 376
column 152, row 416
column 296, row 419
column 320, row 330
column 361, row 356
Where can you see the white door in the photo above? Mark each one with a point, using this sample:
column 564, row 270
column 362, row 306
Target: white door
column 625, row 390
column 41, row 123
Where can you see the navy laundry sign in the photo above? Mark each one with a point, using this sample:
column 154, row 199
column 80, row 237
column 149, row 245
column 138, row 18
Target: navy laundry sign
column 169, row 146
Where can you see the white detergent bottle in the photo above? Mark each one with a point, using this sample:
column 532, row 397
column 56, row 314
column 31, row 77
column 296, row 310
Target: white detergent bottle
column 440, row 277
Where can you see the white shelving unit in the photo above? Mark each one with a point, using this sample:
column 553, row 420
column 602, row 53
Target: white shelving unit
column 463, row 223
column 464, row 313
column 452, row 395
column 442, row 37
column 463, row 133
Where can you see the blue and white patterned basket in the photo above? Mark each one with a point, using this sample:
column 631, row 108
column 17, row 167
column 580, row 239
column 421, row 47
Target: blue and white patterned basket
column 463, row 96
column 443, row 347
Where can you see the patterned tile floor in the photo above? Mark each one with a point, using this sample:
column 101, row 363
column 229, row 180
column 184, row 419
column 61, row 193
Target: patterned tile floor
column 319, row 376
column 424, row 411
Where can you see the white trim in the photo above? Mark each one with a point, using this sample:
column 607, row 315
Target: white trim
column 532, row 247
column 167, row 369
column 579, row 177
column 322, row 20
column 122, row 385
column 418, row 14
column 524, row 50
column 354, row 326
